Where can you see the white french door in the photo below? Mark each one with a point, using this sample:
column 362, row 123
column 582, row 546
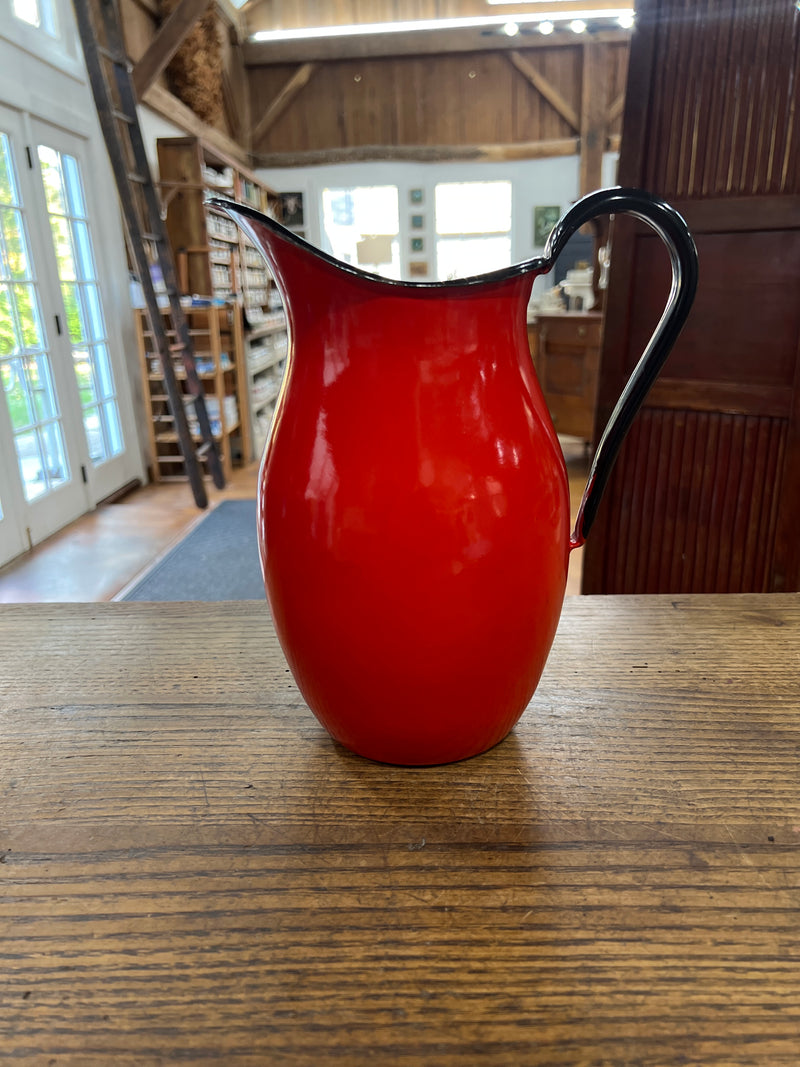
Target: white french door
column 64, row 443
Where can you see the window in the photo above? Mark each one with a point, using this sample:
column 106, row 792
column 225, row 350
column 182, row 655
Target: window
column 473, row 228
column 362, row 227
column 38, row 13
column 85, row 321
column 25, row 368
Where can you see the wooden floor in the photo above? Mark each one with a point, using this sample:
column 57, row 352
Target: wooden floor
column 103, row 553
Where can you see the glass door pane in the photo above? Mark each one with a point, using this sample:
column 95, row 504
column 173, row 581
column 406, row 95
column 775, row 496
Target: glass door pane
column 25, row 359
column 77, row 274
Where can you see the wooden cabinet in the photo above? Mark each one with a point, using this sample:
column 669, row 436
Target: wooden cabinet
column 215, row 260
column 566, row 352
column 217, row 338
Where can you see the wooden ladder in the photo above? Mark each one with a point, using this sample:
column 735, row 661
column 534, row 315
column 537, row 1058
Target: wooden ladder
column 112, row 87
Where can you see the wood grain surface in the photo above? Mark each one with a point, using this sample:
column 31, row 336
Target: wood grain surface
column 192, row 872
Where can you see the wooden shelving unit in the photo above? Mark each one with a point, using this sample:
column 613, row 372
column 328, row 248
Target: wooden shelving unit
column 216, row 261
column 217, row 338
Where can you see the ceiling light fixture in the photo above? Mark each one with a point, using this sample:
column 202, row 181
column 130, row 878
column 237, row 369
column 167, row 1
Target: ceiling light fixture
column 578, row 26
column 546, row 27
column 626, row 20
column 372, row 28
column 511, row 29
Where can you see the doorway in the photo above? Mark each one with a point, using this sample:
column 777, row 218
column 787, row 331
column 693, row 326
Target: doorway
column 64, row 442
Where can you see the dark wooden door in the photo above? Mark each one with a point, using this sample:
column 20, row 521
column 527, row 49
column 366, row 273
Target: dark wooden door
column 705, row 496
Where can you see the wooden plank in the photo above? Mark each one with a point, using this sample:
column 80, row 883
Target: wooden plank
column 733, row 397
column 171, row 35
column 566, row 146
column 293, row 86
column 548, row 91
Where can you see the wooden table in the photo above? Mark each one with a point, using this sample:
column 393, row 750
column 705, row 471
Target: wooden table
column 192, row 872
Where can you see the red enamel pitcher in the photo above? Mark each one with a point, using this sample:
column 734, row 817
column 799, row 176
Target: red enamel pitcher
column 413, row 517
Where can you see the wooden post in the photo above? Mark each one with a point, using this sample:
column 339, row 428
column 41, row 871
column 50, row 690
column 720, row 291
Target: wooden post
column 593, row 116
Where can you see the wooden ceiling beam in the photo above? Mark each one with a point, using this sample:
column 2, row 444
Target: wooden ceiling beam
column 546, row 90
column 293, row 86
column 563, row 146
column 417, row 43
column 172, row 33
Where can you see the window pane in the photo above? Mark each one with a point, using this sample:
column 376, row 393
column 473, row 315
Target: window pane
column 8, row 185
column 28, row 316
column 83, row 251
column 62, row 244
column 14, row 262
column 74, row 187
column 17, row 398
column 53, row 447
column 30, row 465
column 83, row 373
column 113, row 427
column 94, row 434
column 102, row 367
column 50, row 163
column 465, row 257
column 28, row 11
column 9, row 338
column 94, row 313
column 70, row 293
column 473, row 207
column 41, row 387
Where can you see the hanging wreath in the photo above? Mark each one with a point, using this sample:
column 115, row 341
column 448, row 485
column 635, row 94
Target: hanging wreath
column 195, row 70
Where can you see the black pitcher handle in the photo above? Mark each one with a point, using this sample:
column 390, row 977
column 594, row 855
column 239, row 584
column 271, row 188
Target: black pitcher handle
column 673, row 231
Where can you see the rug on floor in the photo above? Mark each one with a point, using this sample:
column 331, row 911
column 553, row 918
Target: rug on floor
column 217, row 560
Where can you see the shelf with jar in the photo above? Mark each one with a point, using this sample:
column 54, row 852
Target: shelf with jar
column 216, row 334
column 214, row 259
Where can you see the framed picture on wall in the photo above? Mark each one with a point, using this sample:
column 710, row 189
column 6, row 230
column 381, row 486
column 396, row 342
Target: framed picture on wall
column 544, row 219
column 417, row 222
column 417, row 244
column 416, row 196
column 292, row 209
column 418, row 269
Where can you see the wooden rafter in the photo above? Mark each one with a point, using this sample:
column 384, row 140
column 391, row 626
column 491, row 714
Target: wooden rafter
column 232, row 115
column 171, row 35
column 293, row 86
column 545, row 89
column 170, row 107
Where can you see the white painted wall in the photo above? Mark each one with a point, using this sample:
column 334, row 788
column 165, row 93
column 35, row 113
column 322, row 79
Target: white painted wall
column 534, row 182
